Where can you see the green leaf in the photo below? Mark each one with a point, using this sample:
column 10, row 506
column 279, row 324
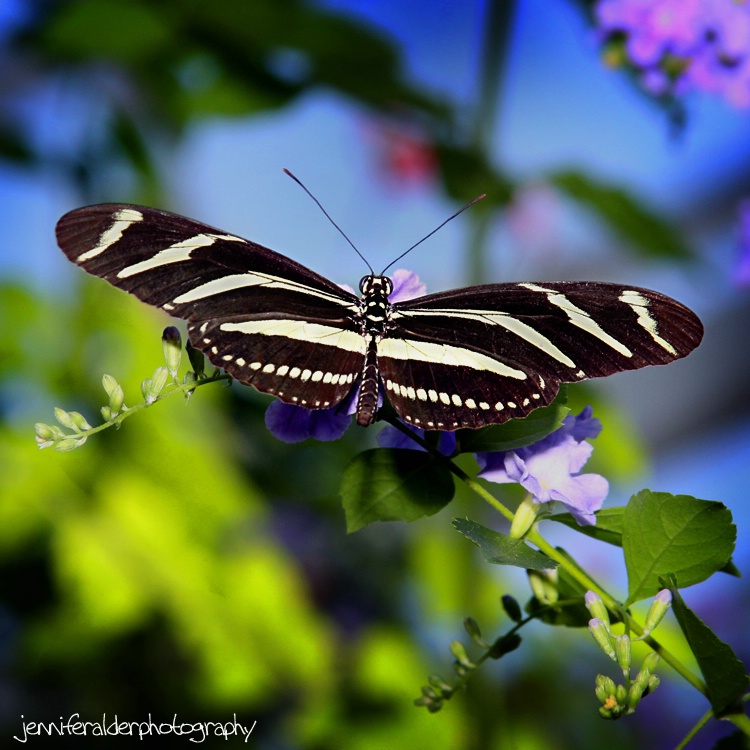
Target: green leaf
column 608, row 525
column 678, row 534
column 121, row 30
column 393, row 484
column 500, row 549
column 731, row 570
column 517, row 432
column 648, row 234
column 723, row 672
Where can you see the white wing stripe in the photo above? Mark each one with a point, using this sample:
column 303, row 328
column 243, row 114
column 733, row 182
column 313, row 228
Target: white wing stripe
column 122, row 220
column 299, row 330
column 236, row 281
column 521, row 329
column 176, row 253
column 639, row 304
column 580, row 318
column 445, row 354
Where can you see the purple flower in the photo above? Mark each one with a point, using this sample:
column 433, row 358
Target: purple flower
column 683, row 45
column 293, row 424
column 550, row 469
column 406, row 286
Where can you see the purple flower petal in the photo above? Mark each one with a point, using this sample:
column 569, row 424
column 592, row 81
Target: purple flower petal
column 582, row 495
column 583, row 426
column 293, row 424
column 406, row 286
column 548, row 470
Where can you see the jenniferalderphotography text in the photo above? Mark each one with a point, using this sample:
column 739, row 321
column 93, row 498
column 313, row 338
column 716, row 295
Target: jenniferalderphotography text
column 75, row 726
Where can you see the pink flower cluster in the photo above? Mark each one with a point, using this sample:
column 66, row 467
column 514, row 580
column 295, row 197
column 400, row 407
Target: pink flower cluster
column 680, row 46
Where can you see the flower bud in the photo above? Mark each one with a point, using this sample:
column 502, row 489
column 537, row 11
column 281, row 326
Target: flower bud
column 44, row 431
column 635, row 693
column 659, row 607
column 605, row 687
column 512, row 608
column 544, row 585
column 69, row 444
column 171, row 343
column 79, row 421
column 159, row 380
column 651, row 662
column 152, row 387
column 65, row 419
column 115, row 393
column 623, row 653
column 525, row 516
column 47, row 434
column 438, row 683
column 595, row 605
column 621, row 695
column 602, row 636
column 472, row 628
column 146, row 391
column 459, row 652
column 504, row 645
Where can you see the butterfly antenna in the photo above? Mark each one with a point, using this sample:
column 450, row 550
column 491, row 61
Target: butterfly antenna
column 440, row 226
column 320, row 206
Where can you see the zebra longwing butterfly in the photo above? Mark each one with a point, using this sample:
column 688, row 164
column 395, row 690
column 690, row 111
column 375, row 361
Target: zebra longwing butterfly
column 462, row 358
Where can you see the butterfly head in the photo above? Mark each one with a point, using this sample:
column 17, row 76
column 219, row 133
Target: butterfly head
column 375, row 286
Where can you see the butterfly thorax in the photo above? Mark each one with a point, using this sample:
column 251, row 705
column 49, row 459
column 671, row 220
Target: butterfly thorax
column 375, row 313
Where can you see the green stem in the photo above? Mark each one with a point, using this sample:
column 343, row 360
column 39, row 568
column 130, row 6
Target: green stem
column 741, row 721
column 498, row 25
column 129, row 411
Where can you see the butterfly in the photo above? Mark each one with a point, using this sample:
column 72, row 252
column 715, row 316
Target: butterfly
column 462, row 358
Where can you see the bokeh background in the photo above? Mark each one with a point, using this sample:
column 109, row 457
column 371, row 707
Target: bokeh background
column 191, row 564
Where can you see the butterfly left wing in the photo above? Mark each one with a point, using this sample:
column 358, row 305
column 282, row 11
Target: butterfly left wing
column 483, row 355
column 267, row 320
